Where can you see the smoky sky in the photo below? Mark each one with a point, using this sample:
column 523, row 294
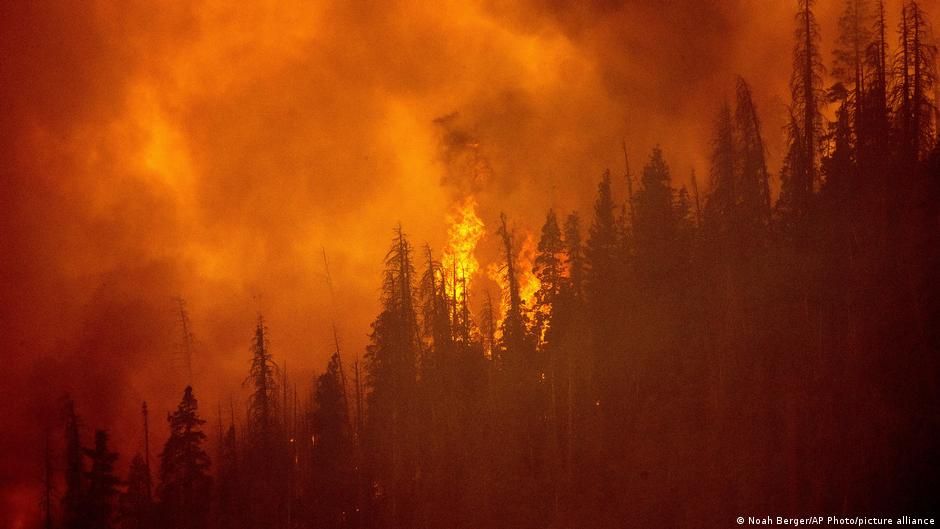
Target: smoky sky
column 153, row 150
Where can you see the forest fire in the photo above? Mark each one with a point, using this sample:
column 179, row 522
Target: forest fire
column 410, row 237
column 464, row 230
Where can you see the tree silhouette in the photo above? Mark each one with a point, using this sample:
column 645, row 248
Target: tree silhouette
column 548, row 270
column 102, row 483
column 915, row 74
column 514, row 338
column 333, row 492
column 74, row 516
column 574, row 254
column 391, row 364
column 185, row 482
column 262, row 377
column 135, row 506
column 229, row 481
column 856, row 24
column 800, row 169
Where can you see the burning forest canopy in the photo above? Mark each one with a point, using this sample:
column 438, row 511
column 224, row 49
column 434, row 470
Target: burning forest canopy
column 673, row 245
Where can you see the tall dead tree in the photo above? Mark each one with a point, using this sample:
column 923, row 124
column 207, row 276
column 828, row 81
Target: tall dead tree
column 185, row 346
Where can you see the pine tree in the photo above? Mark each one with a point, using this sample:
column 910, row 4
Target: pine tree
column 262, row 377
column 102, row 483
column 230, row 484
column 440, row 316
column 267, row 454
column 73, row 502
column 601, row 252
column 333, row 491
column 656, row 222
column 185, row 483
column 876, row 59
column 721, row 206
column 754, row 178
column 838, row 167
column 915, row 71
column 548, row 270
column 737, row 210
column 514, row 339
column 134, row 504
column 574, row 255
column 855, row 39
column 800, row 175
column 873, row 138
column 391, row 363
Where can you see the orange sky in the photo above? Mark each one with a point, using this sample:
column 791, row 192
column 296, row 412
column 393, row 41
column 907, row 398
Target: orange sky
column 155, row 149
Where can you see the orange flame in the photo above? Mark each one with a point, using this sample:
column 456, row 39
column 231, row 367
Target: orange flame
column 463, row 233
column 528, row 283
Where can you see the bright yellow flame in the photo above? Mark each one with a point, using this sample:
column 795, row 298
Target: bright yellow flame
column 463, row 233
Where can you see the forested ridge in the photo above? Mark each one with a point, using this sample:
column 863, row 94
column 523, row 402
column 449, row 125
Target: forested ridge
column 691, row 354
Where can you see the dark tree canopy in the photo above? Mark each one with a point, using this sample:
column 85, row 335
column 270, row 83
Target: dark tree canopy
column 185, row 483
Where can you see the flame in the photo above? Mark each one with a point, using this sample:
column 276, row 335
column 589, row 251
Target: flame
column 463, row 233
column 528, row 283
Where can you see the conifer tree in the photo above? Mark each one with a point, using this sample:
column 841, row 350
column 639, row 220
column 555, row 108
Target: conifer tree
column 854, row 40
column 230, row 483
column 915, row 73
column 548, row 270
column 876, row 58
column 754, row 179
column 185, row 483
column 800, row 175
column 574, row 254
column 603, row 244
column 135, row 506
column 721, row 207
column 873, row 137
column 102, row 483
column 262, row 377
column 737, row 209
column 514, row 339
column 838, row 166
column 656, row 220
column 73, row 502
column 439, row 314
column 333, row 491
column 391, row 363
column 266, row 454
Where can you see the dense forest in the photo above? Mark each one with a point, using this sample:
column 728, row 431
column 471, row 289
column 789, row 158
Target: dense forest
column 690, row 354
